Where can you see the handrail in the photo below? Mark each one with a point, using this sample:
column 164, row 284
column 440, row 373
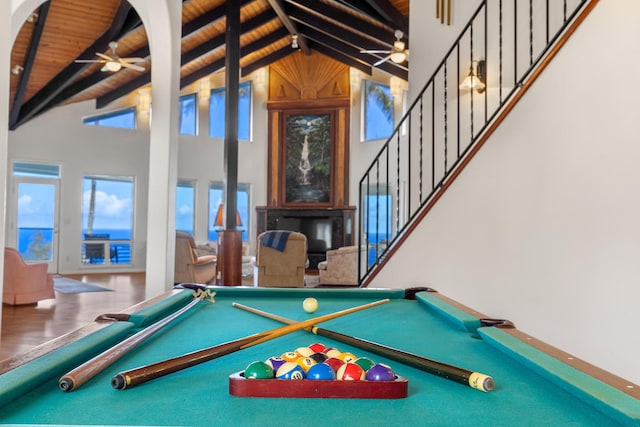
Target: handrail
column 413, row 176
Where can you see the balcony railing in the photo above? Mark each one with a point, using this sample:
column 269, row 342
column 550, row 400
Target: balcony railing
column 504, row 42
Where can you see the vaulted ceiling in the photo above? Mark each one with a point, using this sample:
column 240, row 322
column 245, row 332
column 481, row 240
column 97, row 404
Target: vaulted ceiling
column 45, row 74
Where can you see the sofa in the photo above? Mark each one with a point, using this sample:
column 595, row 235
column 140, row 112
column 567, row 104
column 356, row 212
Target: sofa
column 25, row 283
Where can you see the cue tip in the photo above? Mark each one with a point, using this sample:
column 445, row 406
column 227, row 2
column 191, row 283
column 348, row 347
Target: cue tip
column 481, row 382
column 66, row 384
column 118, row 382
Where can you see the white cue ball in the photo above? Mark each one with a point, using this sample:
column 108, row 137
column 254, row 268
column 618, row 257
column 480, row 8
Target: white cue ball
column 310, row 305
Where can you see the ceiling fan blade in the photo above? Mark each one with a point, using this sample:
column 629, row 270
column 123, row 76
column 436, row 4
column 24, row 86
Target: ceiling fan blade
column 375, row 51
column 134, row 59
column 382, row 60
column 105, row 57
column 90, row 61
column 132, row 66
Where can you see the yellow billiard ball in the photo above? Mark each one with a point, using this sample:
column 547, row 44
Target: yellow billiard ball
column 310, row 305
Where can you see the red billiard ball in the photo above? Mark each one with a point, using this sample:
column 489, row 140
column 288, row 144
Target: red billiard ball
column 334, row 362
column 290, row 371
column 350, row 372
column 380, row 372
column 317, row 347
column 321, row 371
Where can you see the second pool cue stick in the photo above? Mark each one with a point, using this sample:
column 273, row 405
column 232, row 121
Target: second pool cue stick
column 146, row 373
column 83, row 373
column 473, row 379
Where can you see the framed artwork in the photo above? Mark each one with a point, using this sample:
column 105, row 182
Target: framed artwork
column 307, row 158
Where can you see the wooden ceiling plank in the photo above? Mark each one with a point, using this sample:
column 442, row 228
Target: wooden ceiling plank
column 266, row 60
column 278, row 7
column 32, row 49
column 385, row 10
column 339, row 56
column 41, row 100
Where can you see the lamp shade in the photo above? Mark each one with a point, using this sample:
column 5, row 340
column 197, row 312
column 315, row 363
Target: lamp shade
column 219, row 220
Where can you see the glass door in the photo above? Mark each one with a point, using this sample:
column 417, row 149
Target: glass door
column 37, row 220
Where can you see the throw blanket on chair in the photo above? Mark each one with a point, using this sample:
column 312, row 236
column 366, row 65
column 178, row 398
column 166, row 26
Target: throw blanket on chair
column 276, row 240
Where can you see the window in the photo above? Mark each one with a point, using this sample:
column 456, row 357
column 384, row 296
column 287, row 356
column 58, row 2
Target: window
column 118, row 119
column 377, row 221
column 36, row 170
column 378, row 111
column 188, row 114
column 217, row 112
column 185, row 205
column 107, row 220
column 216, row 193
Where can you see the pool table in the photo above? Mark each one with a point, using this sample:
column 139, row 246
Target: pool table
column 533, row 383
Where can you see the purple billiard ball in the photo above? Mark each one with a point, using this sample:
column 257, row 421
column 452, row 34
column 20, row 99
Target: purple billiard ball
column 275, row 362
column 321, row 371
column 380, row 372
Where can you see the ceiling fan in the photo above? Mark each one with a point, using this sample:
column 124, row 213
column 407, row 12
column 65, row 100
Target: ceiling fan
column 397, row 54
column 113, row 62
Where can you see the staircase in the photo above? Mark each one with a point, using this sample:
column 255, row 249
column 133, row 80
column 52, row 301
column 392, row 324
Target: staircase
column 506, row 44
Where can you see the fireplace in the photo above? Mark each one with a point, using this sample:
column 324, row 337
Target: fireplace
column 325, row 229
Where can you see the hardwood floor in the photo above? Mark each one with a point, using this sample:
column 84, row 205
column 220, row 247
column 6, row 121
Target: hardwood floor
column 27, row 326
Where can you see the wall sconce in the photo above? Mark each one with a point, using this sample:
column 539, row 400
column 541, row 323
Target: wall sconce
column 219, row 220
column 32, row 18
column 204, row 90
column 17, row 69
column 144, row 100
column 477, row 77
column 396, row 86
column 261, row 77
column 294, row 41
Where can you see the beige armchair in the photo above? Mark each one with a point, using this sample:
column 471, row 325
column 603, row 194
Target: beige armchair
column 25, row 283
column 280, row 268
column 189, row 266
column 340, row 268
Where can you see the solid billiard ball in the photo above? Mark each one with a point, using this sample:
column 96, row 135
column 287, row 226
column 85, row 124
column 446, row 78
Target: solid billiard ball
column 321, row 371
column 364, row 362
column 290, row 356
column 306, row 363
column 303, row 351
column 347, row 357
column 275, row 362
column 334, row 362
column 319, row 357
column 350, row 372
column 380, row 372
column 317, row 347
column 290, row 371
column 310, row 305
column 258, row 370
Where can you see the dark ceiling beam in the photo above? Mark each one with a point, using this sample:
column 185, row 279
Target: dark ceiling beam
column 333, row 30
column 278, row 7
column 382, row 9
column 268, row 59
column 340, row 57
column 41, row 100
column 383, row 35
column 27, row 66
column 353, row 53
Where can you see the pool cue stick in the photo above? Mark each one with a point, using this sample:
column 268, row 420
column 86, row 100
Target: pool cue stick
column 475, row 380
column 145, row 373
column 83, row 373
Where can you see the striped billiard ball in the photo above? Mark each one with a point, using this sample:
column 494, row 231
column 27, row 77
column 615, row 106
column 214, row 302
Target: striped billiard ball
column 350, row 372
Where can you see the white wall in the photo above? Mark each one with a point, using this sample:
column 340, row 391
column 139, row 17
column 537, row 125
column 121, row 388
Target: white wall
column 542, row 228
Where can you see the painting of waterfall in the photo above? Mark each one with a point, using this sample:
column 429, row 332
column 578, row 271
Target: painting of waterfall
column 308, row 159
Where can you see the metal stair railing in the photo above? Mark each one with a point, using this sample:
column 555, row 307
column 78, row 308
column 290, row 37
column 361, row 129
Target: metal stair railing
column 506, row 42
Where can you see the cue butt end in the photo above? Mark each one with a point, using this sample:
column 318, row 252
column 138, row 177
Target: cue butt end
column 66, row 384
column 481, row 382
column 118, row 382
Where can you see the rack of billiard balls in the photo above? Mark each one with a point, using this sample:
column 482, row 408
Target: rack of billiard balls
column 322, row 371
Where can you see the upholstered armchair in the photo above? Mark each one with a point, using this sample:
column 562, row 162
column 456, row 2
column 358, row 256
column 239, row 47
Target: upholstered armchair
column 281, row 257
column 25, row 283
column 340, row 268
column 189, row 266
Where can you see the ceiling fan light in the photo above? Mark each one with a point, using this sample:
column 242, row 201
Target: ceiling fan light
column 113, row 66
column 398, row 57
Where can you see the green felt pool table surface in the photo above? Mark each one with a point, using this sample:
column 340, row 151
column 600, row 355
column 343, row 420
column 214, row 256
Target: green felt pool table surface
column 531, row 387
